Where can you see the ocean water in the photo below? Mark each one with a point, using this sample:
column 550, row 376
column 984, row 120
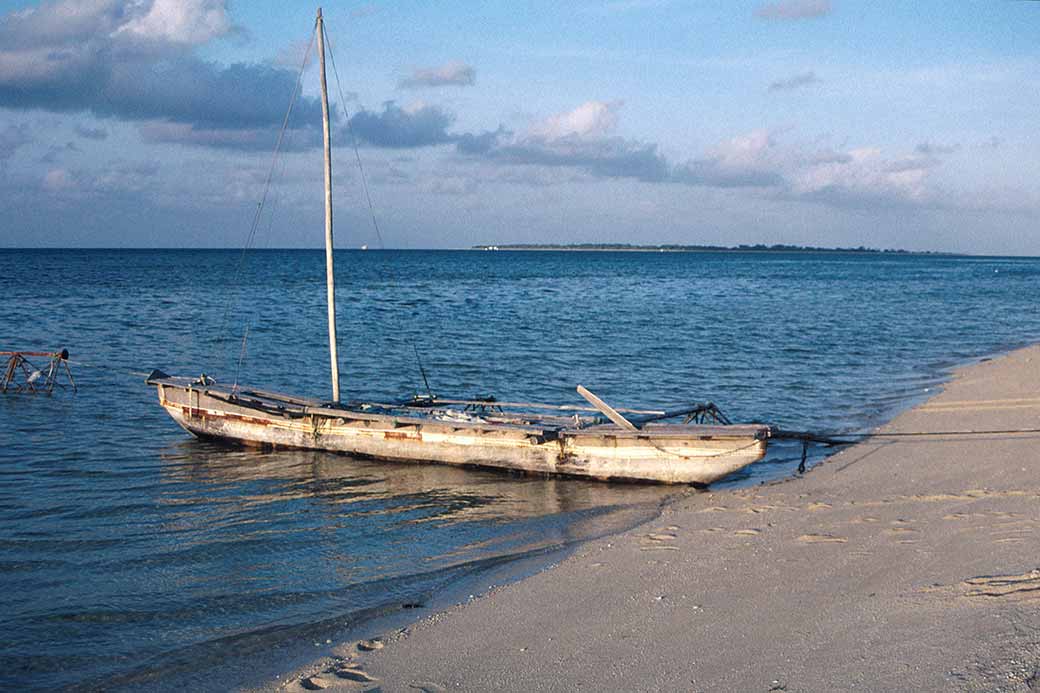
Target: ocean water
column 132, row 554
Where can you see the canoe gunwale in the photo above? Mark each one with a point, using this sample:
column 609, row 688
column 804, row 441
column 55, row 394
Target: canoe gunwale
column 300, row 407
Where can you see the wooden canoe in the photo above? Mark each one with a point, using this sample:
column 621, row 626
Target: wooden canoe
column 572, row 441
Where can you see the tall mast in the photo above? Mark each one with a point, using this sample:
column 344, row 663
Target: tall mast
column 330, row 279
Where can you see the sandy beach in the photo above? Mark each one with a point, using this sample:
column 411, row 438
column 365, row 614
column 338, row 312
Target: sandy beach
column 902, row 563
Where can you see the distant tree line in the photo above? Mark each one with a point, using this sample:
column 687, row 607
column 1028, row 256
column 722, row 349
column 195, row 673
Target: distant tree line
column 757, row 247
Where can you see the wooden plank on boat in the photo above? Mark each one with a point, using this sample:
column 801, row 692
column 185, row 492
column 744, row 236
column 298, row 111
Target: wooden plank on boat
column 607, row 410
column 419, row 421
column 539, row 405
column 278, row 397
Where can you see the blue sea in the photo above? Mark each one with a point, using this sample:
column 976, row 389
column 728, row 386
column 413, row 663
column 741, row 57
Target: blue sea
column 134, row 555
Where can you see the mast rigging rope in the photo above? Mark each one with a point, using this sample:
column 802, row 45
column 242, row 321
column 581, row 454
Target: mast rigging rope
column 353, row 141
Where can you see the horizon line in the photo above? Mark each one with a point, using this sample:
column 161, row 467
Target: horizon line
column 534, row 247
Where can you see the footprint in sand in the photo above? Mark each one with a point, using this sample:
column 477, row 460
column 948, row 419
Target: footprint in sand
column 1023, row 525
column 1011, row 535
column 822, row 539
column 903, row 535
column 351, row 673
column 1024, row 586
column 861, row 520
column 977, row 517
column 428, row 687
column 658, row 541
column 370, row 645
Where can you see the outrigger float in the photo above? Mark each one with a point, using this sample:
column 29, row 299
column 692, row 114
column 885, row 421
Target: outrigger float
column 20, row 375
column 693, row 444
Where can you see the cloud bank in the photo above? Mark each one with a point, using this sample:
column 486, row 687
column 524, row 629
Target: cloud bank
column 134, row 60
column 401, row 128
column 582, row 139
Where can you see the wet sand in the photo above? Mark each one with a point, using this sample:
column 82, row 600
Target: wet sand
column 902, row 563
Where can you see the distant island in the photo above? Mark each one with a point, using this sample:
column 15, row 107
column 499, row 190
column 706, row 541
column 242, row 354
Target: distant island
column 677, row 248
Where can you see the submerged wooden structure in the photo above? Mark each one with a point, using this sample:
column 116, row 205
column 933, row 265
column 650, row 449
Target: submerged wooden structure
column 691, row 444
column 20, row 375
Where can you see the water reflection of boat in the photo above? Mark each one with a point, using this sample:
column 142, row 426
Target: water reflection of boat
column 450, row 494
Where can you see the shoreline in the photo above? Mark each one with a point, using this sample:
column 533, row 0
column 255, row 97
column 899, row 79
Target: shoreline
column 896, row 557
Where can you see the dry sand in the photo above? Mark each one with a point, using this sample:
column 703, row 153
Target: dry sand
column 900, row 564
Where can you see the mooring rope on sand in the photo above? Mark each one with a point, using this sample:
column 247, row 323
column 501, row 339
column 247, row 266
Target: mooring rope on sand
column 841, row 439
column 837, row 438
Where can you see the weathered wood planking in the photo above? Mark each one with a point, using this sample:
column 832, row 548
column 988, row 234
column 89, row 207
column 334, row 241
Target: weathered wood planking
column 665, row 453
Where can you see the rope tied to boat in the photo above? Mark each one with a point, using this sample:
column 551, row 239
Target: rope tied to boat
column 123, row 370
column 846, row 439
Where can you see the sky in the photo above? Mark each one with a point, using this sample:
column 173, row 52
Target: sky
column 154, row 123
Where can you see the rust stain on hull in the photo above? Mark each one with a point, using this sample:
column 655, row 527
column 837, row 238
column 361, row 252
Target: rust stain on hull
column 398, row 435
column 196, row 413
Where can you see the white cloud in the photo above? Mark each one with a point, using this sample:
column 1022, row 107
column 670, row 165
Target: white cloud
column 178, row 21
column 136, row 60
column 749, row 150
column 579, row 141
column 591, row 119
column 864, row 175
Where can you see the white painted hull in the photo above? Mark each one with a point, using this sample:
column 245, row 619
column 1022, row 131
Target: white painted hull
column 688, row 453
